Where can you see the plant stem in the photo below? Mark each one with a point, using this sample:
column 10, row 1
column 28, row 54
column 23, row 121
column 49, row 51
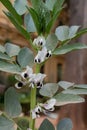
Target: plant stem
column 33, row 101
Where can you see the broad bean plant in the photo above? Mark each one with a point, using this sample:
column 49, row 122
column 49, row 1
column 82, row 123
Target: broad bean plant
column 37, row 17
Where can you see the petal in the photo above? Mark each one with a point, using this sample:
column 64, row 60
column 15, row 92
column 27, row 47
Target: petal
column 19, row 85
column 50, row 114
column 50, row 104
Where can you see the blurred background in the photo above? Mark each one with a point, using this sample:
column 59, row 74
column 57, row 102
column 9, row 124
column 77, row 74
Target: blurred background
column 71, row 67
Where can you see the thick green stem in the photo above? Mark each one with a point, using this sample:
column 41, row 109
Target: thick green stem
column 33, row 101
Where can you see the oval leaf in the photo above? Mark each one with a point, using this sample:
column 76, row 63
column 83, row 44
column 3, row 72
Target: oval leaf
column 11, row 103
column 25, row 57
column 65, row 84
column 62, row 33
column 9, row 67
column 80, row 86
column 65, row 124
column 68, row 48
column 28, row 21
column 20, row 6
column 72, row 31
column 11, row 49
column 76, row 91
column 6, row 124
column 63, row 99
column 49, row 89
column 46, row 125
column 51, row 42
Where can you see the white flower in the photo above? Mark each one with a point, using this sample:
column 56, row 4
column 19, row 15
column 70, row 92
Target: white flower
column 35, row 112
column 45, row 108
column 49, row 105
column 42, row 55
column 27, row 73
column 37, row 79
column 39, row 41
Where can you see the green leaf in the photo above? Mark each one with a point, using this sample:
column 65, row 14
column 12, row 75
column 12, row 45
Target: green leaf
column 25, row 57
column 35, row 18
column 17, row 25
column 46, row 125
column 4, row 56
column 51, row 42
column 49, row 89
column 6, row 124
column 65, row 84
column 29, row 24
column 52, row 21
column 23, row 123
column 20, row 6
column 81, row 32
column 64, row 33
column 65, row 124
column 50, row 4
column 75, row 91
column 11, row 103
column 58, row 4
column 36, row 4
column 11, row 49
column 68, row 48
column 63, row 99
column 11, row 9
column 80, row 86
column 72, row 31
column 9, row 67
column 2, row 49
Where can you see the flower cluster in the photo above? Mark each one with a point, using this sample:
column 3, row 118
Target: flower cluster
column 42, row 54
column 45, row 108
column 28, row 78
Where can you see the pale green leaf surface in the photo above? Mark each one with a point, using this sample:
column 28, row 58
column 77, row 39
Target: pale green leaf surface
column 64, row 33
column 11, row 49
column 46, row 125
column 11, row 103
column 20, row 6
column 65, row 124
column 6, row 124
column 75, row 91
column 80, row 86
column 9, row 67
column 63, row 99
column 65, row 84
column 72, row 31
column 51, row 42
column 4, row 56
column 49, row 89
column 2, row 49
column 50, row 4
column 68, row 48
column 25, row 57
column 28, row 21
